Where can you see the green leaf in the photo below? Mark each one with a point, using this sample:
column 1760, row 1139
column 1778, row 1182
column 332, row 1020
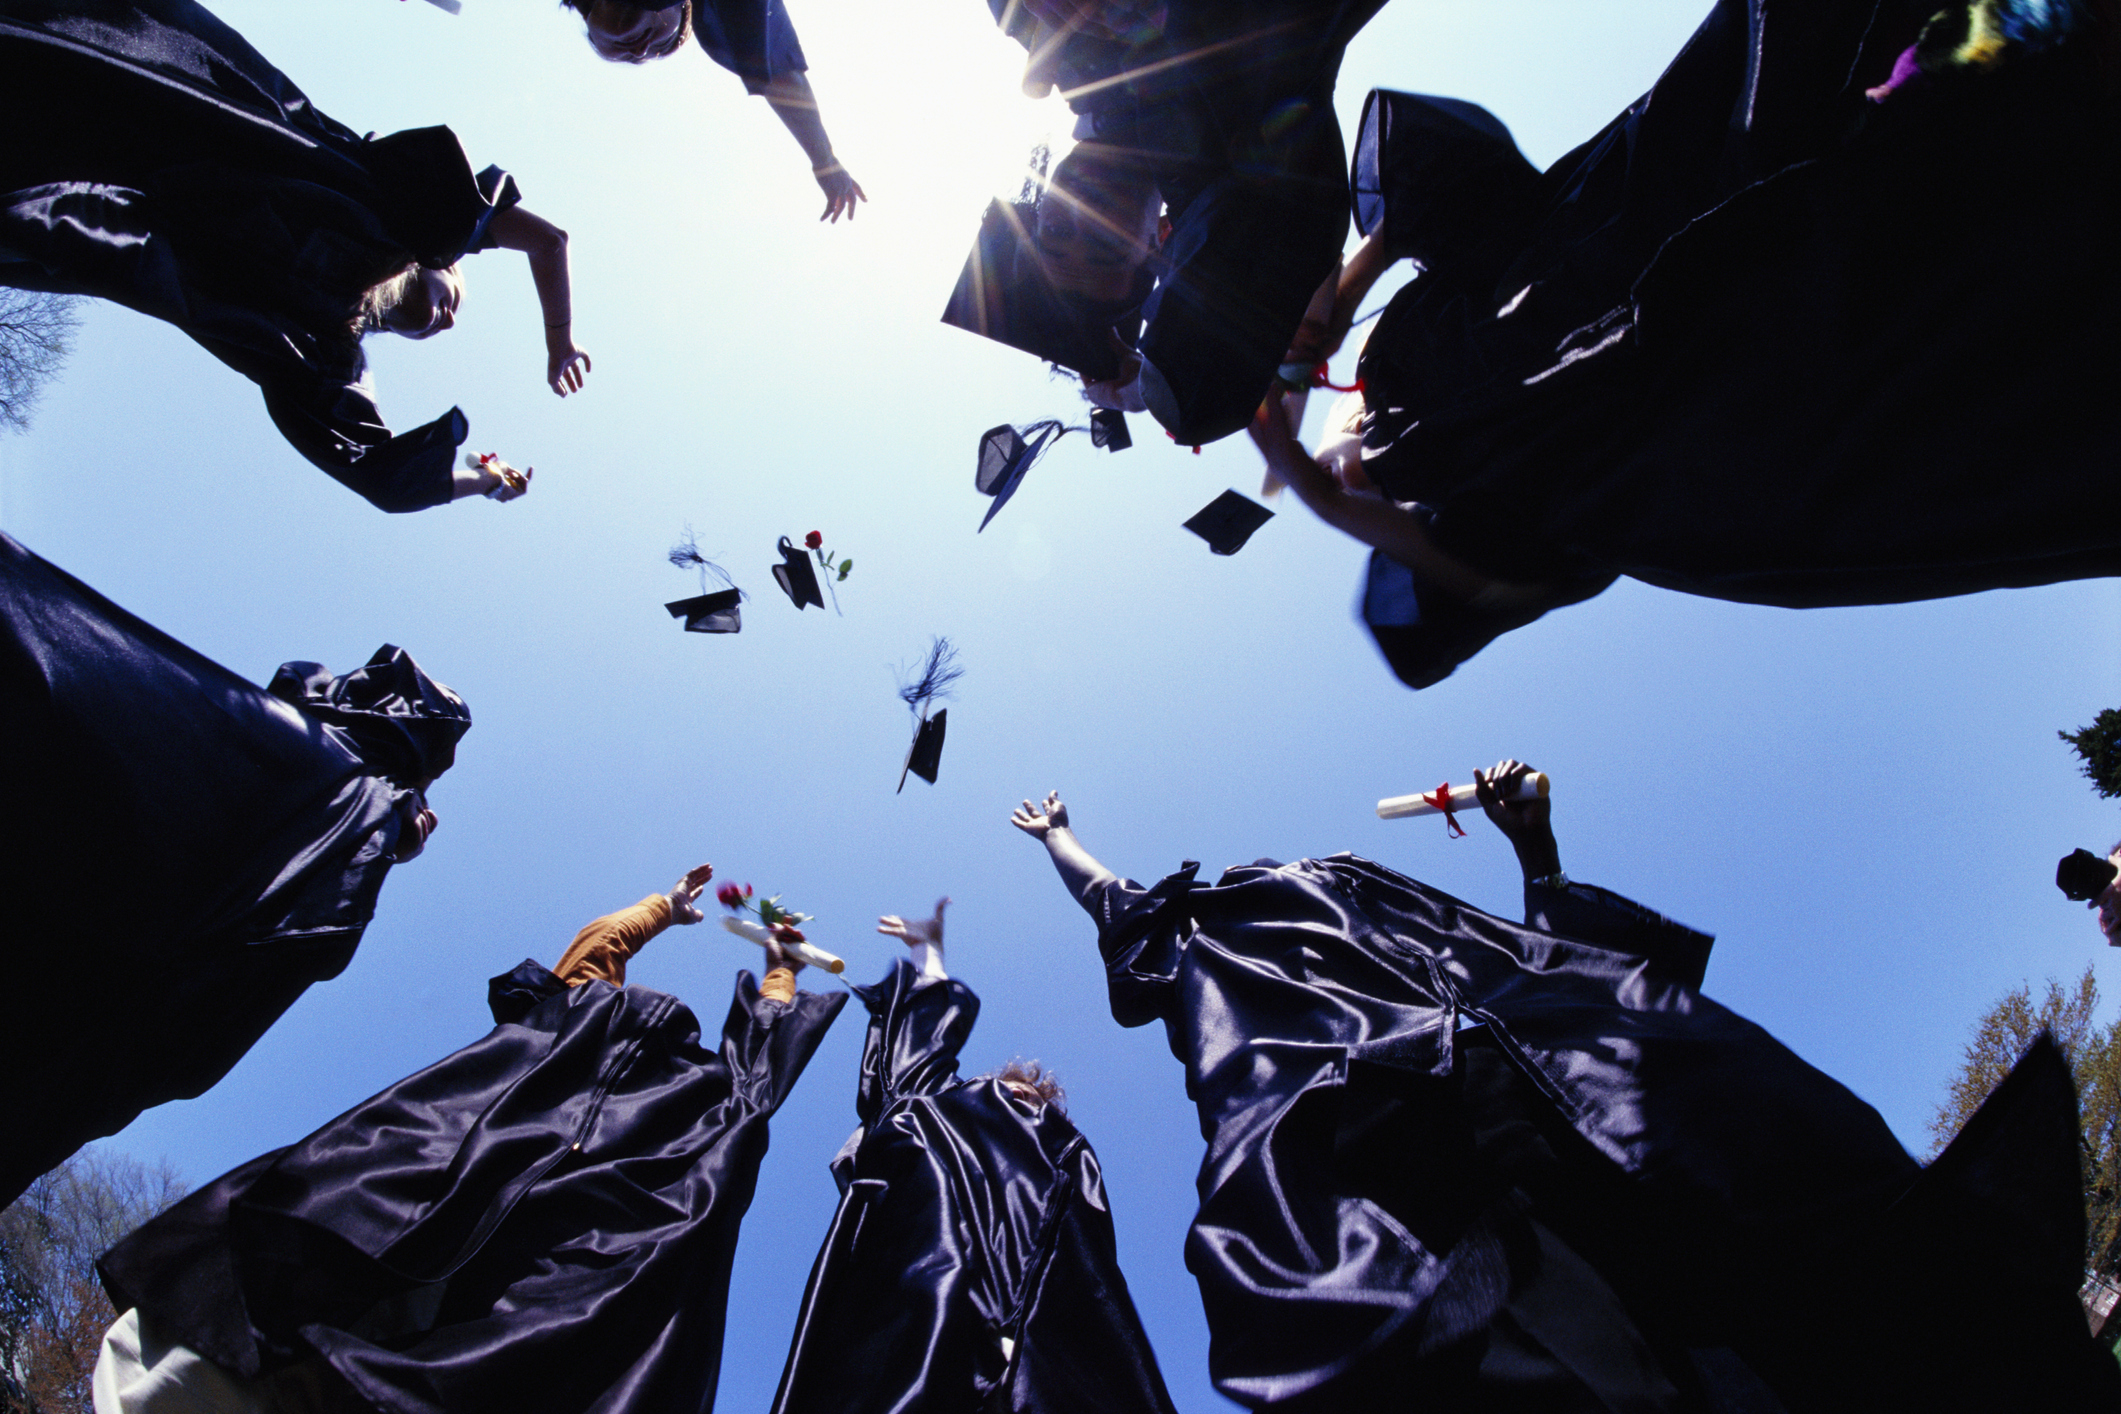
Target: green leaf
column 845, row 566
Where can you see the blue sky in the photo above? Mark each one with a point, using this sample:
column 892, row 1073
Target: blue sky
column 1865, row 805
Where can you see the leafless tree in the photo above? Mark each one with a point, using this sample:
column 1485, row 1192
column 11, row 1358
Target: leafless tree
column 52, row 1309
column 36, row 334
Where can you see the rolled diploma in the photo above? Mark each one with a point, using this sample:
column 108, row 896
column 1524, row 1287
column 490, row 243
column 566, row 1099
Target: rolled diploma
column 1399, row 807
column 758, row 933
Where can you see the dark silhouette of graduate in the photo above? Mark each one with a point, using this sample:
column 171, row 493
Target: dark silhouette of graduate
column 1171, row 256
column 1764, row 338
column 190, row 852
column 156, row 160
column 543, row 1220
column 971, row 1264
column 1531, row 1167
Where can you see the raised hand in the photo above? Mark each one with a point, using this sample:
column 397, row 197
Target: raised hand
column 566, row 367
column 1038, row 821
column 1526, row 824
column 685, row 892
column 929, row 931
column 841, row 190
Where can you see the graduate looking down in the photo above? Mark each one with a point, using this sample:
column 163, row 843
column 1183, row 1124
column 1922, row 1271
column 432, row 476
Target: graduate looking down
column 753, row 39
column 543, row 1220
column 1204, row 201
column 156, row 160
column 1531, row 1167
column 971, row 1264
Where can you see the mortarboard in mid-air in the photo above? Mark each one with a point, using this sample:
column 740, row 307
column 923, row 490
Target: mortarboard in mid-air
column 797, row 576
column 925, row 757
column 710, row 613
column 1228, row 521
column 938, row 675
column 711, row 610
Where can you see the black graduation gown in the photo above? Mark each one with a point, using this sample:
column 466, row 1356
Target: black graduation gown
column 1232, row 109
column 186, row 852
column 753, row 39
column 159, row 161
column 1599, row 1192
column 1760, row 339
column 971, row 1264
column 544, row 1220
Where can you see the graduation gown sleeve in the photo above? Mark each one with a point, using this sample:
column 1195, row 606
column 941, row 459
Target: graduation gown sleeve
column 544, row 1219
column 971, row 1263
column 753, row 39
column 259, row 822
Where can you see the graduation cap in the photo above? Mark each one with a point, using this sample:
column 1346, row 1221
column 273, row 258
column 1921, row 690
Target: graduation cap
column 938, row 675
column 1003, row 294
column 2083, row 876
column 1228, row 521
column 1004, row 457
column 710, row 613
column 925, row 757
column 1108, row 429
column 797, row 576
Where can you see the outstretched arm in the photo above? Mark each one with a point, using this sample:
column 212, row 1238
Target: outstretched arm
column 795, row 104
column 1048, row 823
column 514, row 228
column 599, row 952
column 1374, row 521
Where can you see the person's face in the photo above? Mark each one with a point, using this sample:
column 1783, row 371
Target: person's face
column 1095, row 230
column 628, row 34
column 429, row 306
column 2108, row 905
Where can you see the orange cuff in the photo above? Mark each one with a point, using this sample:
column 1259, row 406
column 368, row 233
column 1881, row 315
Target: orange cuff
column 779, row 985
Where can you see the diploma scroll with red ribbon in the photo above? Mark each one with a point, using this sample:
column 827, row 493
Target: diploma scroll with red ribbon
column 1446, row 800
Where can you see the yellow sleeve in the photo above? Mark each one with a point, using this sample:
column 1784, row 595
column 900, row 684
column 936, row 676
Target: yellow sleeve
column 599, row 952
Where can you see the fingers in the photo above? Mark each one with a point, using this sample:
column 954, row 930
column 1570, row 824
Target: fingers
column 940, row 905
column 1484, row 788
column 892, row 926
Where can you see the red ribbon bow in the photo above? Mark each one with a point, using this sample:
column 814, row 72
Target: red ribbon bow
column 1440, row 799
column 1320, row 380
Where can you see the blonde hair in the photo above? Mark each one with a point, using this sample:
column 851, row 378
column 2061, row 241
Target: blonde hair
column 378, row 300
column 1035, row 1077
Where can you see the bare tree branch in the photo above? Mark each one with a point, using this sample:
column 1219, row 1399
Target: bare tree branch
column 36, row 334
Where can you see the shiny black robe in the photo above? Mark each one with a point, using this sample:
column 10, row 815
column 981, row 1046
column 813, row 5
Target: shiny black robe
column 186, row 852
column 157, row 160
column 544, row 1220
column 971, row 1265
column 1524, row 1166
column 1762, row 340
column 1231, row 109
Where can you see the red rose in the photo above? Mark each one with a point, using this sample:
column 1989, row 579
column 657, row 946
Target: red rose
column 730, row 895
column 815, row 539
column 747, row 891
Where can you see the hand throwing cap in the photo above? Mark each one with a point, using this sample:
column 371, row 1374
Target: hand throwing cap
column 1228, row 521
column 1003, row 295
column 797, row 576
column 925, row 757
column 710, row 613
column 2083, row 876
